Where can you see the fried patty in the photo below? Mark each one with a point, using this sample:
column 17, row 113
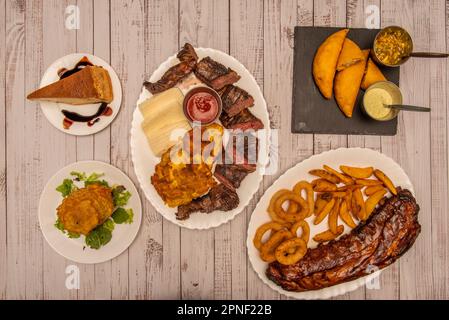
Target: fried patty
column 84, row 209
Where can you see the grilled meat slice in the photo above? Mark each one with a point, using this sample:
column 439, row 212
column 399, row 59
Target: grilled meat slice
column 214, row 74
column 232, row 175
column 219, row 197
column 381, row 240
column 235, row 99
column 171, row 77
column 187, row 53
column 243, row 120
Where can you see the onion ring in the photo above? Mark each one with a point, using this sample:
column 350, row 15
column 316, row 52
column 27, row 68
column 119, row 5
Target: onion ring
column 270, row 208
column 305, row 230
column 276, row 226
column 291, row 217
column 269, row 247
column 282, row 254
column 304, row 185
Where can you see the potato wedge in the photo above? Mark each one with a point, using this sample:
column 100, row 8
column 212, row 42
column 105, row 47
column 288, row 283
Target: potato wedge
column 373, row 189
column 319, row 205
column 325, row 175
column 346, row 216
column 325, row 62
column 324, row 212
column 333, row 216
column 372, row 201
column 328, row 235
column 358, row 173
column 338, row 194
column 322, row 185
column 349, row 187
column 368, row 182
column 343, row 178
column 359, row 203
column 386, row 181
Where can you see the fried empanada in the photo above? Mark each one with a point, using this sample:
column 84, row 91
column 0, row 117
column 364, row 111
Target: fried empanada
column 325, row 62
column 350, row 55
column 347, row 85
column 372, row 75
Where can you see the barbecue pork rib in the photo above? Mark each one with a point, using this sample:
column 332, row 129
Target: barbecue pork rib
column 381, row 240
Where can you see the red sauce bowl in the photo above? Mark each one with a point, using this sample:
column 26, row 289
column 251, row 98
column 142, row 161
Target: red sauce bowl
column 202, row 104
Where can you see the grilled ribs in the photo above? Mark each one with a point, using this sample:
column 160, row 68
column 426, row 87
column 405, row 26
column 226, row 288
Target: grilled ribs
column 175, row 74
column 235, row 99
column 384, row 237
column 219, row 197
column 214, row 74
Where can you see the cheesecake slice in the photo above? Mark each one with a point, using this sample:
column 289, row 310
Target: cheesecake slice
column 91, row 84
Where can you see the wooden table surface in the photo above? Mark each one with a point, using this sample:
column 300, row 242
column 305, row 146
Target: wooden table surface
column 135, row 37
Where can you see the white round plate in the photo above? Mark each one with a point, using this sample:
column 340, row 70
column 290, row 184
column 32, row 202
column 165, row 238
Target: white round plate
column 52, row 110
column 352, row 157
column 145, row 161
column 75, row 249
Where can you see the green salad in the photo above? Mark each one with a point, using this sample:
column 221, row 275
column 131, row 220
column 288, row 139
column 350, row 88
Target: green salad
column 101, row 234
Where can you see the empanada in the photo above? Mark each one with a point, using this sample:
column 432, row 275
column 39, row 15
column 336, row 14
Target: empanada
column 350, row 55
column 372, row 75
column 325, row 62
column 347, row 85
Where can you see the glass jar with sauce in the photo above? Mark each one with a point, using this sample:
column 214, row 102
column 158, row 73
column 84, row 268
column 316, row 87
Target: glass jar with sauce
column 202, row 104
column 392, row 46
column 377, row 96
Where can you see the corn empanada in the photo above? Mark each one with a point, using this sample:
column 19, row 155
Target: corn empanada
column 350, row 55
column 347, row 85
column 372, row 75
column 325, row 62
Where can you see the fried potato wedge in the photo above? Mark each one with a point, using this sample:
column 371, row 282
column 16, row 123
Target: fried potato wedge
column 346, row 216
column 372, row 201
column 368, row 182
column 359, row 203
column 319, row 205
column 321, row 185
column 324, row 212
column 373, row 189
column 358, row 173
column 325, row 62
column 372, row 75
column 347, row 85
column 386, row 181
column 328, row 235
column 333, row 216
column 343, row 178
column 350, row 55
column 325, row 175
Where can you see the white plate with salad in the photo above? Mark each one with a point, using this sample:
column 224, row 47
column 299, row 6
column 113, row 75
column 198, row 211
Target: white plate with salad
column 110, row 206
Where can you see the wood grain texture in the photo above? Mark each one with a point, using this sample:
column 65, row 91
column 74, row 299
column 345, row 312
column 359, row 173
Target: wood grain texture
column 135, row 36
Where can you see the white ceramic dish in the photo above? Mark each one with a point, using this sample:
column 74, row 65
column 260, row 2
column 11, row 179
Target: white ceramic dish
column 52, row 110
column 334, row 158
column 75, row 249
column 144, row 161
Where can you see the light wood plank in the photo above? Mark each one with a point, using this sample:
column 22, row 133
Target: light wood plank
column 411, row 146
column 246, row 45
column 127, row 58
column 205, row 255
column 439, row 151
column 3, row 233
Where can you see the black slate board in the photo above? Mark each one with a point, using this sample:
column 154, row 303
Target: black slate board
column 311, row 112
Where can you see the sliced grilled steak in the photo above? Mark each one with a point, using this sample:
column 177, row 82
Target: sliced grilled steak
column 219, row 197
column 235, row 99
column 187, row 53
column 244, row 120
column 381, row 240
column 171, row 77
column 214, row 74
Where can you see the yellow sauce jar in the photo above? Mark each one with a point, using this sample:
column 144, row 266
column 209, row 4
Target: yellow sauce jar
column 377, row 96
